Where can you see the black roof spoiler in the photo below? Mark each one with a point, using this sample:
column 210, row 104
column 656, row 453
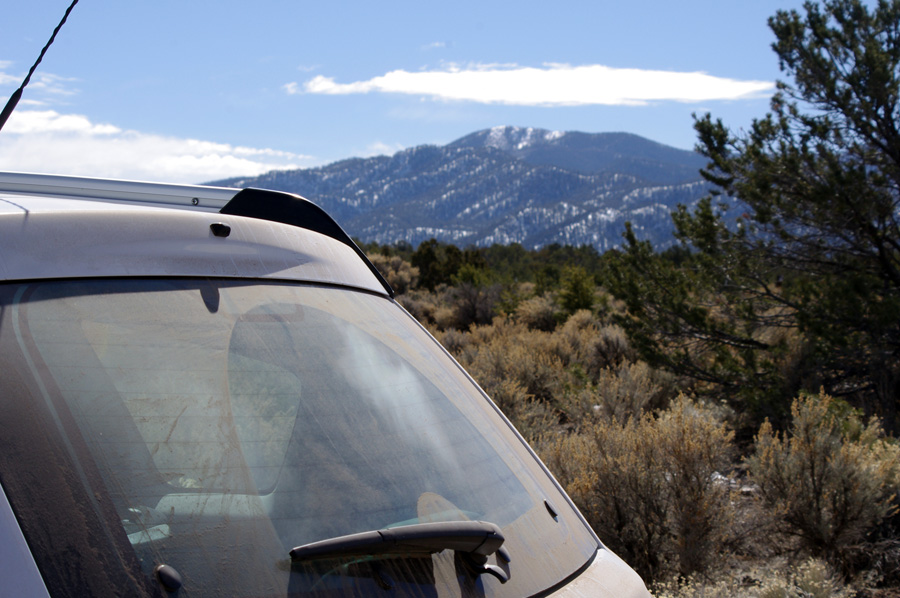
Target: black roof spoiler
column 287, row 208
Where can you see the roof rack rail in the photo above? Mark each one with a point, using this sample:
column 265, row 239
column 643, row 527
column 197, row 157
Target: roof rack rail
column 111, row 190
column 275, row 206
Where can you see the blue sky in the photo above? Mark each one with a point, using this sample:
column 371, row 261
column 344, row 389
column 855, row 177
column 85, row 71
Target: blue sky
column 196, row 90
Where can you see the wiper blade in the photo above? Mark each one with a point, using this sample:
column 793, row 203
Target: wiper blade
column 477, row 538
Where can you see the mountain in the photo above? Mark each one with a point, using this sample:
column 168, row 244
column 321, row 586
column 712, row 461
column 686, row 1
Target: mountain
column 505, row 185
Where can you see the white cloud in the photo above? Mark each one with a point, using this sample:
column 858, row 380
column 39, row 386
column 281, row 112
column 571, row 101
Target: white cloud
column 45, row 85
column 46, row 141
column 379, row 148
column 52, row 84
column 551, row 85
column 48, row 121
column 33, row 103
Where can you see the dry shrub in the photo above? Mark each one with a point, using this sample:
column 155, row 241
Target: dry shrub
column 580, row 322
column 507, row 351
column 457, row 307
column 473, row 304
column 610, row 349
column 538, row 313
column 549, row 367
column 647, row 487
column 516, row 354
column 455, row 341
column 697, row 445
column 572, row 459
column 631, row 390
column 575, row 337
column 445, row 318
column 399, row 273
column 594, row 345
column 485, row 353
column 829, row 481
column 880, row 555
column 621, row 386
column 420, row 304
column 530, row 417
column 583, row 319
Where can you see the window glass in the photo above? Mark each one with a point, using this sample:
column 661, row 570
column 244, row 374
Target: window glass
column 231, row 422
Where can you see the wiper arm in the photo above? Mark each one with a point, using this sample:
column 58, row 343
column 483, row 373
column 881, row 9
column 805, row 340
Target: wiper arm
column 473, row 537
column 475, row 540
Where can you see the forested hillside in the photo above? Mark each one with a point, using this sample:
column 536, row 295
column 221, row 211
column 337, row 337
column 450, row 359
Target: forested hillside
column 505, row 185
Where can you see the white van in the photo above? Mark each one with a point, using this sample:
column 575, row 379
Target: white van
column 212, row 392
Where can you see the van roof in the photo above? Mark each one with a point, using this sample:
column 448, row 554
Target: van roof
column 71, row 227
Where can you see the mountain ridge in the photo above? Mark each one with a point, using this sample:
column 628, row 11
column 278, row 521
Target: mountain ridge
column 505, row 185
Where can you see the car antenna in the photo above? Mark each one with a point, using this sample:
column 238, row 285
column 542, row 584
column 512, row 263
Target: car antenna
column 17, row 94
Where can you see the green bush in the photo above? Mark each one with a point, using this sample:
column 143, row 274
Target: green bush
column 827, row 482
column 577, row 289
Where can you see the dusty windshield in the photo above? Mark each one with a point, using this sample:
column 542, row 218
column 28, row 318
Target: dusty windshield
column 229, row 423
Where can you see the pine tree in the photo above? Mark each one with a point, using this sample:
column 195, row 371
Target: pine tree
column 794, row 277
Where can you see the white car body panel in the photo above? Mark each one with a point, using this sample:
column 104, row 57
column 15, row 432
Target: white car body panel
column 82, row 238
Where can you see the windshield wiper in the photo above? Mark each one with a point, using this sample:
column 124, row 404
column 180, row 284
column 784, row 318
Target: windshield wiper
column 474, row 540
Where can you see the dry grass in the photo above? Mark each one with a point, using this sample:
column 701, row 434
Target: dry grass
column 809, row 579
